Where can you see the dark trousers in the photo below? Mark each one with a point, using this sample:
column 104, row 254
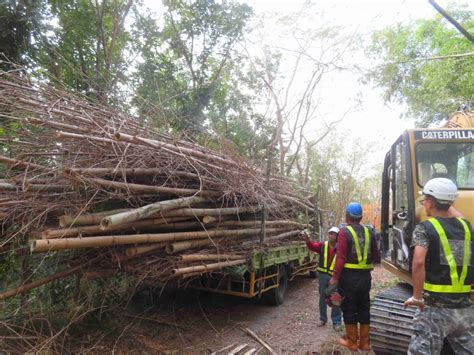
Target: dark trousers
column 335, row 311
column 354, row 286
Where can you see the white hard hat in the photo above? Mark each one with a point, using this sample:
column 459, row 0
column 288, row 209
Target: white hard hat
column 442, row 189
column 334, row 230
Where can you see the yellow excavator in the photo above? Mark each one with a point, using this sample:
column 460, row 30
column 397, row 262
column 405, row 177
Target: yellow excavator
column 416, row 156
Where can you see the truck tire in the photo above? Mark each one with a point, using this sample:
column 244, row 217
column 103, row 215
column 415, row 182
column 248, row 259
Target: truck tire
column 275, row 296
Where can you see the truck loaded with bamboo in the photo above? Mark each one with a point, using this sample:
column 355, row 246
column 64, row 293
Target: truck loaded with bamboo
column 107, row 193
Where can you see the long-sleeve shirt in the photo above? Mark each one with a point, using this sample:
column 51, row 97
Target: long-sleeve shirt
column 316, row 247
column 342, row 252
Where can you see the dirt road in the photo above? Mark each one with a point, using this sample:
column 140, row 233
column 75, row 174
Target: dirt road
column 192, row 322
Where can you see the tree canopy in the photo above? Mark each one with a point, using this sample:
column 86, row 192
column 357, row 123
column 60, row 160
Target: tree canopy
column 427, row 65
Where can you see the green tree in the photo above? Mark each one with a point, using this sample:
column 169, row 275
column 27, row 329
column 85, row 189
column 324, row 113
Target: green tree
column 90, row 48
column 19, row 24
column 187, row 63
column 409, row 74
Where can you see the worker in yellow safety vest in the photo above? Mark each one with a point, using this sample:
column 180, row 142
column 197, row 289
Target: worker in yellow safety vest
column 442, row 272
column 327, row 260
column 357, row 251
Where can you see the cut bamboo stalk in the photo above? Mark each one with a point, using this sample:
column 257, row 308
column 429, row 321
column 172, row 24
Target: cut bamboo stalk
column 140, row 188
column 190, row 244
column 102, row 241
column 237, row 349
column 62, row 134
column 136, row 172
column 256, row 337
column 200, row 257
column 94, row 230
column 86, row 219
column 210, row 219
column 148, row 210
column 57, row 125
column 175, row 149
column 202, row 212
column 5, row 186
column 143, row 249
column 258, row 223
column 14, row 163
column 283, row 235
column 9, row 203
column 208, row 267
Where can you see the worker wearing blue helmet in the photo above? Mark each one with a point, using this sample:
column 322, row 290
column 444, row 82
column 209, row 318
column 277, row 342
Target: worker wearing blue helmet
column 357, row 251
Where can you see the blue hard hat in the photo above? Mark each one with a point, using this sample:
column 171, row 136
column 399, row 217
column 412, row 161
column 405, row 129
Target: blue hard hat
column 354, row 209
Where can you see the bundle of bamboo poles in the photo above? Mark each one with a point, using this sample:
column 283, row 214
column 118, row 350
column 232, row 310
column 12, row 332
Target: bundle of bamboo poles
column 77, row 175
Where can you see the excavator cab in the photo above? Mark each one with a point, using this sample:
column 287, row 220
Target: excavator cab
column 417, row 156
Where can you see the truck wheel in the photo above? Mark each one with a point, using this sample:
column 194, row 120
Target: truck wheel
column 275, row 296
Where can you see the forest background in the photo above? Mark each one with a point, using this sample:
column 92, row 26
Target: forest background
column 219, row 72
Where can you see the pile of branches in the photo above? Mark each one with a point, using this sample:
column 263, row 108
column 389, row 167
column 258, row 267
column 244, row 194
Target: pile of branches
column 109, row 193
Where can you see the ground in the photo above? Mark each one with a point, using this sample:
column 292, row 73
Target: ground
column 193, row 322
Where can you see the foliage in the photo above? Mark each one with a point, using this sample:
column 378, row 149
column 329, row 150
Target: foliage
column 336, row 174
column 90, row 48
column 20, row 22
column 188, row 62
column 432, row 89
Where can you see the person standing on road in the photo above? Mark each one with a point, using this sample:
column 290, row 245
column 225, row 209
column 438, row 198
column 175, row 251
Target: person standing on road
column 356, row 252
column 443, row 268
column 327, row 260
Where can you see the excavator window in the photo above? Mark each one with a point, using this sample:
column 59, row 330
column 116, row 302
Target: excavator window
column 454, row 161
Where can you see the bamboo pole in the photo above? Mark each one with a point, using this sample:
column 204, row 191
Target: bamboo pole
column 85, row 219
column 214, row 212
column 283, row 235
column 14, row 163
column 136, row 172
column 208, row 267
column 143, row 249
column 61, row 134
column 57, row 125
column 148, row 210
column 190, row 244
column 201, row 257
column 176, row 149
column 94, row 230
column 5, row 186
column 140, row 188
column 210, row 219
column 258, row 223
column 43, row 245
